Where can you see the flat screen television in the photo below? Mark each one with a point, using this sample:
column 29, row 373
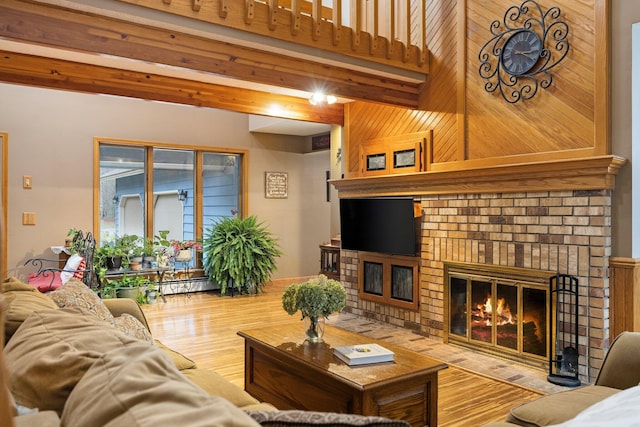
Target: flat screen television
column 380, row 224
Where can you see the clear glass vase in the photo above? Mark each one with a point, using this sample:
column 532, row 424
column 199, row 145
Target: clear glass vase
column 314, row 328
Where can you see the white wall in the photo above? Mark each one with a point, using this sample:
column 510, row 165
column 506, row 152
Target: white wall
column 51, row 139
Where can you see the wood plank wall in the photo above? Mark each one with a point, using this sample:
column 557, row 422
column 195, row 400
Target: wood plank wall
column 624, row 290
column 567, row 120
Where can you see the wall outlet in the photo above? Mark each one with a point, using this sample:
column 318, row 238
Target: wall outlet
column 28, row 218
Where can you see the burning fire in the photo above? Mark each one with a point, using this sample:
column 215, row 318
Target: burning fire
column 503, row 316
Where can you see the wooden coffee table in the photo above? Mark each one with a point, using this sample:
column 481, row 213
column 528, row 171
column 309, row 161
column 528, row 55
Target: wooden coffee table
column 285, row 370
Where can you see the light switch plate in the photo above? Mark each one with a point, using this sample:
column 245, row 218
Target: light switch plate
column 28, row 218
column 27, row 181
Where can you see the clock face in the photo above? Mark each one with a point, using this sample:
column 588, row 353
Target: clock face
column 521, row 52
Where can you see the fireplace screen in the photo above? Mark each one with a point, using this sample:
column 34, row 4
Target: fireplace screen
column 499, row 315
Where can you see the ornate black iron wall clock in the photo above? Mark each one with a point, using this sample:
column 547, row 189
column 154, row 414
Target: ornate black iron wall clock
column 524, row 47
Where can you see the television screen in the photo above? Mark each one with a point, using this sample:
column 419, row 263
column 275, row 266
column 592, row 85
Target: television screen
column 379, row 224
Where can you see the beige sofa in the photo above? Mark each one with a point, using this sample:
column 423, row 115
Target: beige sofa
column 620, row 371
column 82, row 361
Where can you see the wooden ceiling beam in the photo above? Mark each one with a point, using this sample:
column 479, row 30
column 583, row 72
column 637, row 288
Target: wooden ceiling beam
column 67, row 75
column 59, row 27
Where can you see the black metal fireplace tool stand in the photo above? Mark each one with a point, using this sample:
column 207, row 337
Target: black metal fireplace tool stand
column 563, row 345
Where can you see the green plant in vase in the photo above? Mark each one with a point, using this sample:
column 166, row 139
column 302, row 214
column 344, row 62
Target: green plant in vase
column 240, row 252
column 316, row 299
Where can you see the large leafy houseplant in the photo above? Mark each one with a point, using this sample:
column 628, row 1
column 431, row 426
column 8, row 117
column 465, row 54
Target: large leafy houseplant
column 239, row 251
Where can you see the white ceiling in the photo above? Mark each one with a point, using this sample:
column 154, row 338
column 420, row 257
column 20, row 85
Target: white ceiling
column 286, row 127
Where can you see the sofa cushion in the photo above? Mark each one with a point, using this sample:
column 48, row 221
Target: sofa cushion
column 310, row 418
column 558, row 407
column 216, row 385
column 181, row 362
column 52, row 350
column 21, row 300
column 138, row 385
column 76, row 294
column 620, row 410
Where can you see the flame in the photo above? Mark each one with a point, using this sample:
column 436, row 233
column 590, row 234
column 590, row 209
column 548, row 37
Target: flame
column 503, row 315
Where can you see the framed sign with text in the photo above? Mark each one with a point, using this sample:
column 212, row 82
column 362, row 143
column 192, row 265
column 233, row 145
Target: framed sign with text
column 276, row 185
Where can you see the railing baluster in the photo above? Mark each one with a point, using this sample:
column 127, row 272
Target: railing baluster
column 316, row 17
column 407, row 40
column 356, row 23
column 422, row 55
column 249, row 12
column 273, row 14
column 373, row 45
column 223, row 11
column 295, row 16
column 337, row 21
column 392, row 28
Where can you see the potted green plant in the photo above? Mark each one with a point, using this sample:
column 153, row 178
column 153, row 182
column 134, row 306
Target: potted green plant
column 148, row 253
column 74, row 240
column 133, row 287
column 135, row 257
column 162, row 247
column 152, row 293
column 115, row 254
column 240, row 252
column 316, row 299
column 183, row 248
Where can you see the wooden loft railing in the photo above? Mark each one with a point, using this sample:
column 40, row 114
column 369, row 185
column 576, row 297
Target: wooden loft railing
column 389, row 32
column 94, row 49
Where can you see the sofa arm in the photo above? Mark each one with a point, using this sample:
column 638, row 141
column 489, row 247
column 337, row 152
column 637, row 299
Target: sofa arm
column 621, row 366
column 118, row 306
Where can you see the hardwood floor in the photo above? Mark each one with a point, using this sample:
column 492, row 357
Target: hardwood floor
column 204, row 327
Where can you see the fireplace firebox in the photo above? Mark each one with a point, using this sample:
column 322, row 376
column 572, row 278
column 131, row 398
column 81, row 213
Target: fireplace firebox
column 498, row 310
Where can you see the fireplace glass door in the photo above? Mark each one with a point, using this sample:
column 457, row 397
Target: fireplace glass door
column 502, row 316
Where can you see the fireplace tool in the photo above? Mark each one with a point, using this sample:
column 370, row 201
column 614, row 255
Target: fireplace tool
column 563, row 345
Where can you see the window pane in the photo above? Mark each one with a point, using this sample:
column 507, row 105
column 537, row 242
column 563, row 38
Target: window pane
column 121, row 191
column 221, row 184
column 173, row 193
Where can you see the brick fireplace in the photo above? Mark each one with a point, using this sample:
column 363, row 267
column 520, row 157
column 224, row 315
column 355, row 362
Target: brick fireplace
column 568, row 232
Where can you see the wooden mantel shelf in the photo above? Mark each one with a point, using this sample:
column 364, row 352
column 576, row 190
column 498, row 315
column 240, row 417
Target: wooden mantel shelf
column 590, row 173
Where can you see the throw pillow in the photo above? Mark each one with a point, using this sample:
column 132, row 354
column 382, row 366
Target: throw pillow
column 296, row 418
column 20, row 301
column 137, row 385
column 46, row 281
column 131, row 326
column 76, row 294
column 52, row 350
column 179, row 360
column 80, row 274
column 70, row 267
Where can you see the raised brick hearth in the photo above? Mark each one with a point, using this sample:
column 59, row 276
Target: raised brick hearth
column 564, row 231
